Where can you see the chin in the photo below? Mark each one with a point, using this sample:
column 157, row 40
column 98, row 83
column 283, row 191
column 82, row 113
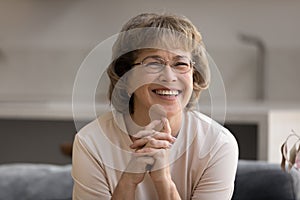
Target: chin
column 171, row 111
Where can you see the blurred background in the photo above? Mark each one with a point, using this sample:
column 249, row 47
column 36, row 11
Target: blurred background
column 255, row 45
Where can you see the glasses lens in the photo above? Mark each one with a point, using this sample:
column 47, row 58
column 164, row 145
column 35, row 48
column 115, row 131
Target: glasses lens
column 181, row 65
column 156, row 64
column 153, row 64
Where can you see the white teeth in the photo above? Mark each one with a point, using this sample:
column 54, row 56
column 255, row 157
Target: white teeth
column 167, row 92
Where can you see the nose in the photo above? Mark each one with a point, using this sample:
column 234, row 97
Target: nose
column 167, row 74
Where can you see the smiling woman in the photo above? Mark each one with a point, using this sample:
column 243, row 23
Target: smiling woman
column 165, row 87
column 154, row 144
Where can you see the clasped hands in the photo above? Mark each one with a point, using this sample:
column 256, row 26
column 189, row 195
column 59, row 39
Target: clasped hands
column 151, row 152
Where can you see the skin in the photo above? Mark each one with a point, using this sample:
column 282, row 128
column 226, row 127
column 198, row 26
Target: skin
column 166, row 79
column 151, row 146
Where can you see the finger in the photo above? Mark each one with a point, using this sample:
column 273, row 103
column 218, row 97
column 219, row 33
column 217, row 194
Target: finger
column 158, row 140
column 144, row 133
column 158, row 144
column 148, row 151
column 139, row 143
column 161, row 160
column 166, row 124
column 139, row 163
column 145, row 160
column 164, row 136
column 153, row 124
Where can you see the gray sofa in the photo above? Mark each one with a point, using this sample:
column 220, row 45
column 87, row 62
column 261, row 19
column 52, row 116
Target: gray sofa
column 255, row 180
column 258, row 180
column 35, row 182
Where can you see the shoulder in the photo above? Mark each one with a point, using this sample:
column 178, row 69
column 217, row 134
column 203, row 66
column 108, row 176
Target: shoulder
column 94, row 130
column 95, row 126
column 208, row 126
column 211, row 136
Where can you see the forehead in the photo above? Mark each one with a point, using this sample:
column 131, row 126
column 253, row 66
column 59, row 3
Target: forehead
column 167, row 54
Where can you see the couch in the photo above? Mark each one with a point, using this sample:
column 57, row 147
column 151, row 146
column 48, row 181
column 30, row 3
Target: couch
column 255, row 180
column 259, row 180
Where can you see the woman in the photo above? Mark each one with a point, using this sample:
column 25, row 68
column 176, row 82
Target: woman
column 154, row 145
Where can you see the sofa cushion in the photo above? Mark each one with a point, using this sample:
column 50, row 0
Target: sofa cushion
column 35, row 182
column 255, row 180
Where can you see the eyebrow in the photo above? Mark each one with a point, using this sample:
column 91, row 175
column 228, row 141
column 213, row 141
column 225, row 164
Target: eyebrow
column 175, row 57
column 181, row 57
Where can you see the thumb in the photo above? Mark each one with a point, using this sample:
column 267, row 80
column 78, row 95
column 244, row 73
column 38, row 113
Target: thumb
column 166, row 126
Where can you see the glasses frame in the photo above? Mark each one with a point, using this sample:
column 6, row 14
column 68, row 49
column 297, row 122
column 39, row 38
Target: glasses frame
column 165, row 63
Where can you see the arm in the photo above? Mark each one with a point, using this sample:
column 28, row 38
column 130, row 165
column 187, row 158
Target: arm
column 157, row 145
column 89, row 176
column 131, row 177
column 161, row 178
column 124, row 190
column 217, row 181
column 166, row 189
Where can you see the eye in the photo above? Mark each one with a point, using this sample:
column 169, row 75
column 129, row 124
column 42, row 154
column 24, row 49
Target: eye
column 153, row 63
column 181, row 64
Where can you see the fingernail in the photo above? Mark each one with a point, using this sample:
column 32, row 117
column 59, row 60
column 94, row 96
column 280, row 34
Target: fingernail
column 170, row 145
column 174, row 139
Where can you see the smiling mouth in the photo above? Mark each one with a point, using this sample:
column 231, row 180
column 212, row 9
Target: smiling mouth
column 167, row 92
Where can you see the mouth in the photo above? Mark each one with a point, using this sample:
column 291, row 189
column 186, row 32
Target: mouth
column 167, row 92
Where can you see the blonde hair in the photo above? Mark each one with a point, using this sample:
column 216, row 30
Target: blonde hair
column 158, row 31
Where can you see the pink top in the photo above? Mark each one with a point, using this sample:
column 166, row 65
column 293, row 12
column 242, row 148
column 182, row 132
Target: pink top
column 203, row 159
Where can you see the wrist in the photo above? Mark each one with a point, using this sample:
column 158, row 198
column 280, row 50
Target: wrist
column 127, row 181
column 162, row 175
column 166, row 189
column 162, row 179
column 124, row 190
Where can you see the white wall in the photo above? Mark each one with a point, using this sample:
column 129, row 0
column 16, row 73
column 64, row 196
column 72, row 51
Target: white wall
column 42, row 43
column 281, row 123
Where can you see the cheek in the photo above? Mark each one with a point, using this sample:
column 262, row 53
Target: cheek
column 137, row 80
column 141, row 91
column 188, row 81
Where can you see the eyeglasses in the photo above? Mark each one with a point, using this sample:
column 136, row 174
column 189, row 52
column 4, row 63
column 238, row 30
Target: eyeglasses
column 155, row 64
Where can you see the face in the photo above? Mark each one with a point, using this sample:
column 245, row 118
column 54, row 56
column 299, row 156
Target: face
column 167, row 88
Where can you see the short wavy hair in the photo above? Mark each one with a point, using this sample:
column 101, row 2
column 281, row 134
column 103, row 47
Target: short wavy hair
column 155, row 31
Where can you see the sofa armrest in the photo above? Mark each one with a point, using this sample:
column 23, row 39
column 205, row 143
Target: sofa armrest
column 35, row 181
